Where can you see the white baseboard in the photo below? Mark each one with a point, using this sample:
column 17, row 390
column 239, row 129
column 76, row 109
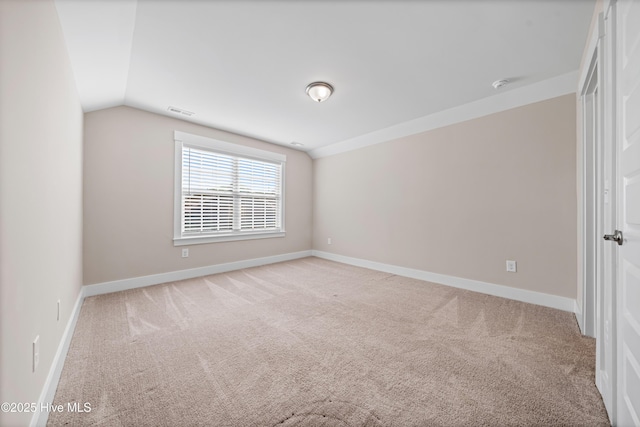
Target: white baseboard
column 577, row 309
column 172, row 276
column 532, row 297
column 51, row 383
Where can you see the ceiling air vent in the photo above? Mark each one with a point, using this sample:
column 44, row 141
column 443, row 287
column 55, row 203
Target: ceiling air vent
column 180, row 111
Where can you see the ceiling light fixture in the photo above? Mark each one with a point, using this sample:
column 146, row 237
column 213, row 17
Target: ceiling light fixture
column 319, row 91
column 297, row 144
column 499, row 83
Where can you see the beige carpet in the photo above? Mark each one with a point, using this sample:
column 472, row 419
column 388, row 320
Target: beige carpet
column 316, row 343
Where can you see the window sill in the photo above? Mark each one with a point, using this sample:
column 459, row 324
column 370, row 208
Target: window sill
column 197, row 240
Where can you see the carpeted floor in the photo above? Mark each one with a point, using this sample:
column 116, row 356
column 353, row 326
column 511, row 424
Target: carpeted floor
column 316, row 343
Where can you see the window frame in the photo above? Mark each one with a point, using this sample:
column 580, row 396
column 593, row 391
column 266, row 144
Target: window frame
column 227, row 148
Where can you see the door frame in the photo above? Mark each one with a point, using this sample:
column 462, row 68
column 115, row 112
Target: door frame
column 591, row 124
column 596, row 309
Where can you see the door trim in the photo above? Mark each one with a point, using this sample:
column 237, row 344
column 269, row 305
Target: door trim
column 588, row 171
column 596, row 312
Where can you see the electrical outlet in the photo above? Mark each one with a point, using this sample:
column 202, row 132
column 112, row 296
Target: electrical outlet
column 185, row 252
column 36, row 352
column 58, row 313
column 511, row 266
column 329, row 241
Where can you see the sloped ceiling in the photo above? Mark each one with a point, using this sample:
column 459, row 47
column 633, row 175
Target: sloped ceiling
column 243, row 66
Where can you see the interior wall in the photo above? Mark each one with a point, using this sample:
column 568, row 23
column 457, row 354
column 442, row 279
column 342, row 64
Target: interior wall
column 462, row 199
column 128, row 198
column 40, row 196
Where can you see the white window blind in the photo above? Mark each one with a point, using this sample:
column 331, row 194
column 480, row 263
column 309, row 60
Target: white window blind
column 228, row 195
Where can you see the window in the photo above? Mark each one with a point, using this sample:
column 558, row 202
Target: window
column 225, row 191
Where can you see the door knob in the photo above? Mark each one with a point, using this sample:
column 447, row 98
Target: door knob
column 616, row 237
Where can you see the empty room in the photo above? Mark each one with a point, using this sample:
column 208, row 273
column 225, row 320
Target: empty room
column 319, row 213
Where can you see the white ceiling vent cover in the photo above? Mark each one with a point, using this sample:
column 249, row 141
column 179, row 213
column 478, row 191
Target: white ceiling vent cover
column 180, row 111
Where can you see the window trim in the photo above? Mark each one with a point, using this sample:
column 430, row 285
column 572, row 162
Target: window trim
column 181, row 138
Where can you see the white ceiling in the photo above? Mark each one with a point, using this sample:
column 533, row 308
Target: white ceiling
column 243, row 66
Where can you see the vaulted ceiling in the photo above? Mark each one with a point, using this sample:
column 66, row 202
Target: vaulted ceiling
column 243, row 66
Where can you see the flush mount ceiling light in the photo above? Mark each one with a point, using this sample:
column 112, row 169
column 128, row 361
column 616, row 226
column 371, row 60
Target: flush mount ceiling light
column 319, row 91
column 297, row 144
column 499, row 83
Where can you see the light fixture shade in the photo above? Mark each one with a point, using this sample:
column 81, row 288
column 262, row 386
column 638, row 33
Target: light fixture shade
column 319, row 91
column 499, row 83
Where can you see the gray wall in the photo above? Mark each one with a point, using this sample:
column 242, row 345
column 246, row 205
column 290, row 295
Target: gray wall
column 40, row 196
column 462, row 199
column 128, row 198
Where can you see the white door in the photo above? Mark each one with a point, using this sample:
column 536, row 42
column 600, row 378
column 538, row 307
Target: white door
column 606, row 217
column 628, row 175
column 605, row 271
